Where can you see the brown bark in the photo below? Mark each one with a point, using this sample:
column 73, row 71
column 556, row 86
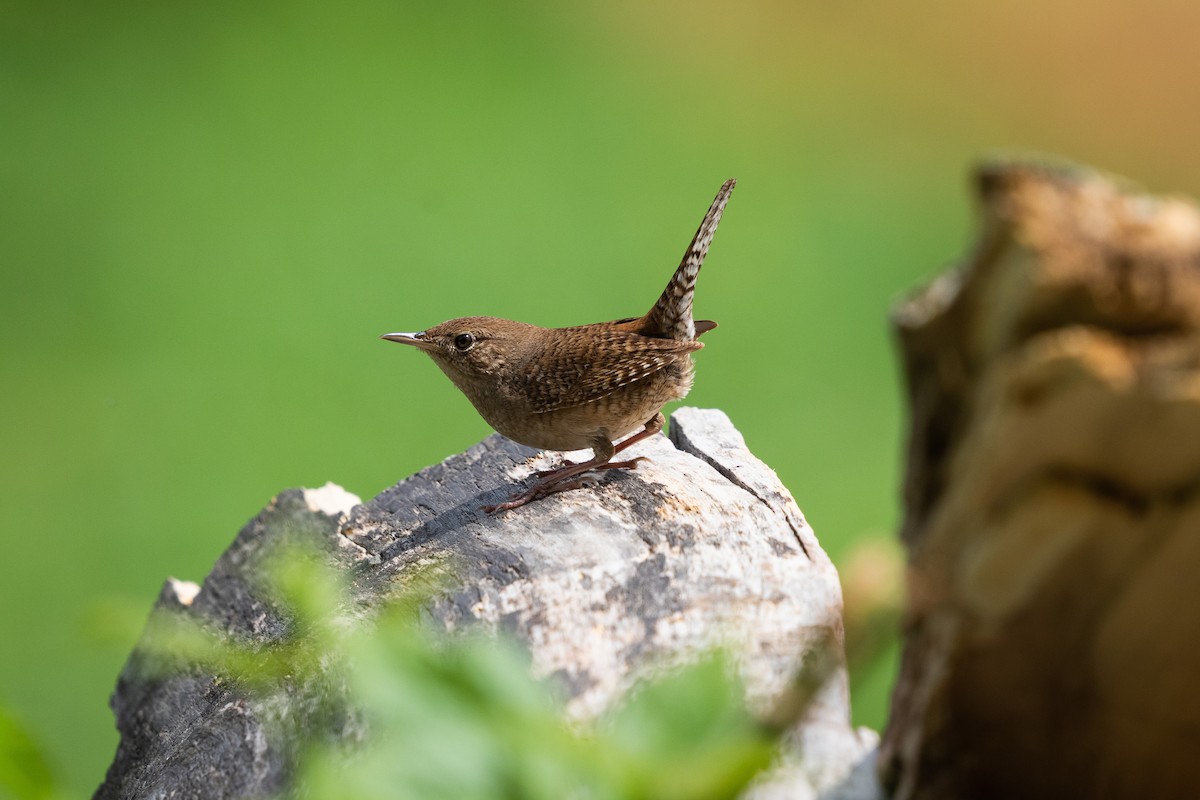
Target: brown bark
column 1052, row 517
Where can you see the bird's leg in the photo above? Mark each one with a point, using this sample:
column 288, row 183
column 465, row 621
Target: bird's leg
column 568, row 477
column 653, row 425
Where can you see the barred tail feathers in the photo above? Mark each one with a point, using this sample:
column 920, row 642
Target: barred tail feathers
column 671, row 316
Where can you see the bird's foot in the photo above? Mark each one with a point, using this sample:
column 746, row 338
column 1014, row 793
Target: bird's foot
column 546, row 473
column 567, row 477
column 630, row 464
column 542, row 489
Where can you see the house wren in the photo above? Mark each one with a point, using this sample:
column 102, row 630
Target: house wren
column 580, row 387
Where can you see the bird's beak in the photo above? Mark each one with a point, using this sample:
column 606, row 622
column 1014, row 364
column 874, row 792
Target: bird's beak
column 415, row 339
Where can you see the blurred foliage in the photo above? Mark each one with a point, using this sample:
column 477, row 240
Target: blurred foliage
column 872, row 575
column 210, row 212
column 25, row 770
column 457, row 717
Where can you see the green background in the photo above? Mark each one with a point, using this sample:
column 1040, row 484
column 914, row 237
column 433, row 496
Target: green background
column 209, row 212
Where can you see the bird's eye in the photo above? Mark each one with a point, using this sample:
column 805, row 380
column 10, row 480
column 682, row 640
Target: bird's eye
column 464, row 342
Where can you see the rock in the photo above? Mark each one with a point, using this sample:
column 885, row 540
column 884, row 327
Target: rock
column 1053, row 640
column 702, row 546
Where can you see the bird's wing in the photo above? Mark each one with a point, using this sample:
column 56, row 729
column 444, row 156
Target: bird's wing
column 584, row 364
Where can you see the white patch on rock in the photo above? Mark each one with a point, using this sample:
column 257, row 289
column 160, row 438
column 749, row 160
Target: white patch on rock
column 331, row 500
column 185, row 591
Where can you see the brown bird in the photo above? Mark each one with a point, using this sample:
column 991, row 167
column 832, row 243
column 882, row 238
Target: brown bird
column 580, row 387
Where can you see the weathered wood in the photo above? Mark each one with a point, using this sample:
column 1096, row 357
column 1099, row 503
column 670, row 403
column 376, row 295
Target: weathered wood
column 1053, row 640
column 699, row 547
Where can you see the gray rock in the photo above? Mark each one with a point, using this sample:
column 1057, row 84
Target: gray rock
column 702, row 546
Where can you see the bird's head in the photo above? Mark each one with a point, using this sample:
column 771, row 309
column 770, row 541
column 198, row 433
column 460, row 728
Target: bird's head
column 473, row 347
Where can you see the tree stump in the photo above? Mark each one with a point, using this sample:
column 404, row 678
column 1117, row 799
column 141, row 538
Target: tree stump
column 1053, row 635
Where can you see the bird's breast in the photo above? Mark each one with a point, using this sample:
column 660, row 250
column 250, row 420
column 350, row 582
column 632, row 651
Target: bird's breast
column 576, row 427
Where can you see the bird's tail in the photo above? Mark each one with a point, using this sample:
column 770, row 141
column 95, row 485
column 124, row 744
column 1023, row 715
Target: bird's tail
column 671, row 317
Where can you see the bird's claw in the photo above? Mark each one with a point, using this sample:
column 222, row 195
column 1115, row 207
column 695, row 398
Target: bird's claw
column 548, row 486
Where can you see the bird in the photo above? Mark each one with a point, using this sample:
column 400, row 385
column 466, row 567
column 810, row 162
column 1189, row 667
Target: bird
column 579, row 387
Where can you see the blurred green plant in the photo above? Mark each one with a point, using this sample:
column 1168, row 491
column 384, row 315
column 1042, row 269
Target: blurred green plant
column 433, row 716
column 25, row 770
